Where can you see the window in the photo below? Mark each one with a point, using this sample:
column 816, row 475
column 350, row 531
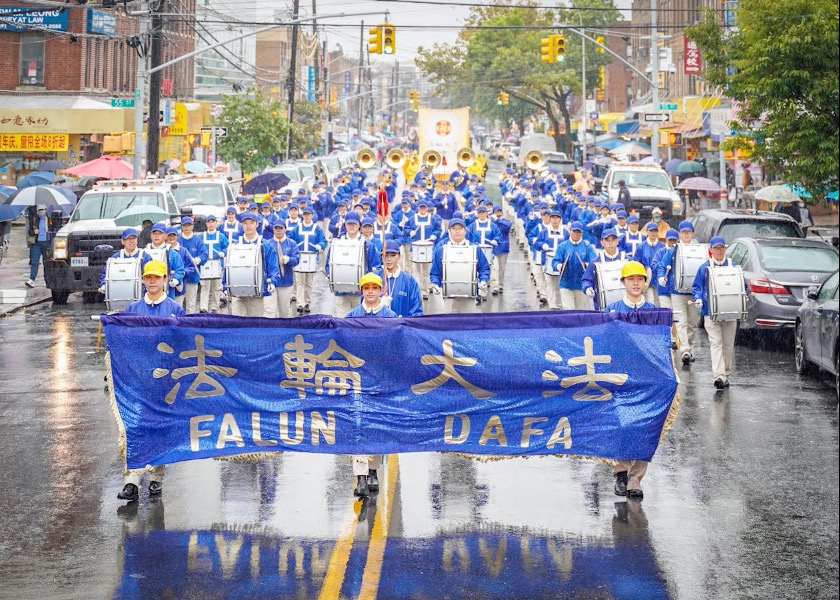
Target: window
column 31, row 58
column 738, row 253
column 829, row 287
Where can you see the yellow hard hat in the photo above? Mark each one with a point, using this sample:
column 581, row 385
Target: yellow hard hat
column 633, row 267
column 154, row 267
column 370, row 278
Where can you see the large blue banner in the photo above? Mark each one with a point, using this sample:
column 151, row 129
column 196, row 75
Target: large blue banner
column 577, row 383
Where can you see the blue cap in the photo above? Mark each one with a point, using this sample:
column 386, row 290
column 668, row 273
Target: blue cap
column 545, row 211
column 172, row 230
column 242, row 198
column 555, row 213
column 357, row 192
column 422, row 202
column 481, row 208
column 307, row 209
column 456, row 221
column 187, row 221
column 278, row 223
column 473, row 177
column 496, row 207
column 246, row 215
column 618, row 206
column 208, row 218
column 633, row 218
column 288, row 191
column 231, row 209
column 608, row 232
column 129, row 232
column 366, row 200
column 301, row 190
column 576, row 226
column 367, row 221
column 622, row 214
column 651, row 226
column 265, row 204
column 159, row 227
column 717, row 241
column 352, row 217
column 457, row 215
column 294, row 207
column 252, row 205
column 672, row 234
column 392, row 246
column 686, row 226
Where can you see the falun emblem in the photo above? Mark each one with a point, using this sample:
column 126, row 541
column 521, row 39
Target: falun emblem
column 443, row 128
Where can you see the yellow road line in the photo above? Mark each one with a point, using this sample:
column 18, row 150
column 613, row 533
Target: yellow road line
column 379, row 534
column 341, row 554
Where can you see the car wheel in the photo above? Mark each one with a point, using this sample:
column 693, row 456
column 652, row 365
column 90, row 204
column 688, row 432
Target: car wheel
column 803, row 367
column 59, row 296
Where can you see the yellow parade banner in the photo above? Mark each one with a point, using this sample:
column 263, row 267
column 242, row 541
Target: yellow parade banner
column 445, row 131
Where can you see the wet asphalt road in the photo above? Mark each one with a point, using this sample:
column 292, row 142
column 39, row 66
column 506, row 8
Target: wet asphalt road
column 741, row 500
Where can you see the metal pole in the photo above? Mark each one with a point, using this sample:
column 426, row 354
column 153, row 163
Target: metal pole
column 583, row 76
column 291, row 82
column 654, row 67
column 361, row 66
column 212, row 162
column 155, row 58
column 139, row 92
column 327, row 98
column 724, row 195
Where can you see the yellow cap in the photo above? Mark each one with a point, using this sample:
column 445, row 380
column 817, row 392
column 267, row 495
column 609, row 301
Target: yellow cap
column 154, row 267
column 633, row 267
column 370, row 278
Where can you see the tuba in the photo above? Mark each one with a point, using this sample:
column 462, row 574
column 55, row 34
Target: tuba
column 534, row 160
column 431, row 159
column 366, row 158
column 395, row 158
column 466, row 157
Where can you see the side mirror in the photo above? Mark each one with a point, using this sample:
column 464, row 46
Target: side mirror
column 813, row 292
column 835, row 241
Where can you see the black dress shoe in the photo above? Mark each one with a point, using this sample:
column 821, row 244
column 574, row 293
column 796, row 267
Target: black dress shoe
column 129, row 492
column 373, row 480
column 361, row 486
column 635, row 494
column 686, row 358
column 719, row 384
column 726, row 383
column 300, row 309
column 155, row 488
column 306, row 308
column 621, row 483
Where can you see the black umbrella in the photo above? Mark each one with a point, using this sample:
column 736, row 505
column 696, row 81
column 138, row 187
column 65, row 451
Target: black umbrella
column 52, row 165
column 263, row 182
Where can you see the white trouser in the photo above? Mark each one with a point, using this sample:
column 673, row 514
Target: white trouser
column 344, row 303
column 135, row 475
column 497, row 272
column 552, row 290
column 363, row 462
column 189, row 298
column 279, row 303
column 686, row 314
column 303, row 288
column 538, row 275
column 208, row 296
column 575, row 300
column 664, row 301
column 421, row 274
column 651, row 295
column 721, row 344
column 405, row 258
column 247, row 307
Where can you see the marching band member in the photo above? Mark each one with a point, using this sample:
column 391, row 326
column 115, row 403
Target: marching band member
column 484, row 232
column 663, row 282
column 402, row 292
column 346, row 301
column 457, row 237
column 610, row 253
column 367, row 233
column 458, row 179
column 216, row 243
column 190, row 273
column 129, row 250
column 632, row 237
column 645, row 253
column 159, row 247
column 336, row 226
column 445, row 203
column 292, row 220
column 198, row 251
column 621, row 227
column 721, row 333
column 548, row 241
column 309, row 238
column 231, row 226
column 241, row 204
column 279, row 302
column 422, row 227
column 154, row 303
column 686, row 313
column 255, row 306
column 500, row 252
column 538, row 255
column 570, row 260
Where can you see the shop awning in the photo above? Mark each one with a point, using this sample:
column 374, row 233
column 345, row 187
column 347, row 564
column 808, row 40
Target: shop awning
column 625, row 127
column 58, row 114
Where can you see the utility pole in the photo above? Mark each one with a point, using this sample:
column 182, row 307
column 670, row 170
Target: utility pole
column 291, row 81
column 156, row 56
column 654, row 67
column 396, row 94
column 361, row 71
column 317, row 49
column 139, row 92
column 327, row 99
column 585, row 115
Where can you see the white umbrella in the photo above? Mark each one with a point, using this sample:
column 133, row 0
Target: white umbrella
column 777, row 193
column 48, row 195
column 630, row 148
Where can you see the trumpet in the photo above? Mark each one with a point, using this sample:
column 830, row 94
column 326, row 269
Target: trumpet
column 466, row 157
column 534, row 160
column 431, row 159
column 366, row 158
column 395, row 158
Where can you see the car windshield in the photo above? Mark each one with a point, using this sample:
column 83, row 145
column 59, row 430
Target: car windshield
column 198, row 193
column 563, row 166
column 110, row 205
column 292, row 174
column 332, row 163
column 735, row 228
column 308, row 171
column 775, row 257
column 644, row 179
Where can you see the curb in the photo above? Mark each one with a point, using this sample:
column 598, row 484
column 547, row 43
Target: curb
column 5, row 313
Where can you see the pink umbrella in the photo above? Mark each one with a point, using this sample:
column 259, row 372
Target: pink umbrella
column 110, row 167
column 700, row 184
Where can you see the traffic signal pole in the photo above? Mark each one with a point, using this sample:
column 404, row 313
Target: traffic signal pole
column 654, row 66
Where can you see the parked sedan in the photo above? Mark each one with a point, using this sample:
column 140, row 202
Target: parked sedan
column 816, row 330
column 779, row 271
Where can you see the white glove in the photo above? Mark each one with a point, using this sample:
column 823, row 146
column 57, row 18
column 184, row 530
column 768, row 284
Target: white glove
column 546, row 247
column 387, row 300
column 482, row 285
column 285, row 260
column 433, row 237
column 270, row 288
column 590, row 292
column 173, row 283
column 698, row 303
column 494, row 243
column 196, row 260
column 102, row 289
column 220, row 254
column 435, row 289
column 663, row 281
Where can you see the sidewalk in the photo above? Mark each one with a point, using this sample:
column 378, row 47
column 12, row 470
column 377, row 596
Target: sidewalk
column 15, row 270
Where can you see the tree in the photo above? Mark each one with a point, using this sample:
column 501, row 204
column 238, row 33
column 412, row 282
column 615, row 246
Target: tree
column 780, row 64
column 257, row 130
column 306, row 132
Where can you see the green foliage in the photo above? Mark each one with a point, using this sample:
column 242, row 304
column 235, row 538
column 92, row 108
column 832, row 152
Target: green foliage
column 306, row 132
column 786, row 58
column 257, row 129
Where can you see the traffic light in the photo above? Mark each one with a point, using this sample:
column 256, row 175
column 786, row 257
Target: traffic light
column 559, row 47
column 194, row 139
column 414, row 99
column 389, row 38
column 600, row 40
column 674, row 139
column 547, row 49
column 375, row 40
column 205, row 138
column 505, row 98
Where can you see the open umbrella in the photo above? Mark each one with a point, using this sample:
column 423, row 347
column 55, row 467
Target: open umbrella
column 48, row 195
column 36, row 178
column 672, row 165
column 688, row 166
column 777, row 193
column 133, row 216
column 798, row 190
column 260, row 184
column 833, row 195
column 648, row 160
column 701, row 184
column 107, row 167
column 630, row 148
column 52, row 165
column 196, row 166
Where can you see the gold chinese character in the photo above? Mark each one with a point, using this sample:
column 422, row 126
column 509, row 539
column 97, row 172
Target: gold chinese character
column 449, row 363
column 200, row 370
column 591, row 391
column 301, row 366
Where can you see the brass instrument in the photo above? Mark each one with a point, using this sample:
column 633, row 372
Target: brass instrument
column 534, row 160
column 431, row 159
column 395, row 158
column 366, row 158
column 466, row 157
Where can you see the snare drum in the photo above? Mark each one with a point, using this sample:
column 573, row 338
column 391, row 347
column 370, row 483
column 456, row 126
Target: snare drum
column 687, row 259
column 308, row 263
column 487, row 249
column 123, row 282
column 244, row 270
column 347, row 261
column 609, row 286
column 727, row 299
column 212, row 269
column 459, row 271
column 421, row 252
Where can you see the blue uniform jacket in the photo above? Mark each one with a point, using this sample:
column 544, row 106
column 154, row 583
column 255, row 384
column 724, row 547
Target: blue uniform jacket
column 420, row 228
column 404, row 292
column 572, row 259
column 654, row 269
column 436, row 271
column 485, row 233
column 233, row 231
column 287, row 247
column 197, row 249
column 622, row 306
column 630, row 241
column 382, row 311
column 446, row 204
column 309, row 238
column 177, row 269
column 504, row 233
column 190, row 270
column 645, row 251
column 166, row 308
column 551, row 238
column 217, row 244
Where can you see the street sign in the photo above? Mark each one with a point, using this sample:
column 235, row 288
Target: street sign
column 657, row 117
column 220, row 131
column 667, row 106
column 593, row 116
column 122, row 102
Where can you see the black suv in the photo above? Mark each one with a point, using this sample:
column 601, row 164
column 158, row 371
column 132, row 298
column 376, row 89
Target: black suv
column 735, row 223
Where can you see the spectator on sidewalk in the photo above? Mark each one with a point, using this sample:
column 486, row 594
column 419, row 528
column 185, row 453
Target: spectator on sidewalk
column 38, row 237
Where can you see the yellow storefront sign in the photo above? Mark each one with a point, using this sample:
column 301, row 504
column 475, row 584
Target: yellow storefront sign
column 179, row 122
column 38, row 142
